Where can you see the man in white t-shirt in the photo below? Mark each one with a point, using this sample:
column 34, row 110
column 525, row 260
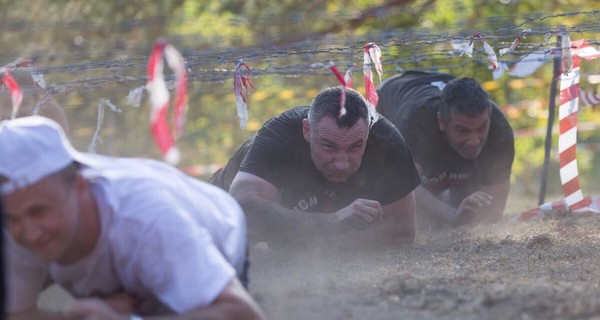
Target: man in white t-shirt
column 126, row 237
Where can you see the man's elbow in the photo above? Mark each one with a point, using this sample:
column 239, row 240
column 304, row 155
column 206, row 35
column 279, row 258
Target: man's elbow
column 405, row 230
column 407, row 235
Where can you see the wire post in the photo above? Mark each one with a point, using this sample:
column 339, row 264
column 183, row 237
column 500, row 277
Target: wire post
column 551, row 112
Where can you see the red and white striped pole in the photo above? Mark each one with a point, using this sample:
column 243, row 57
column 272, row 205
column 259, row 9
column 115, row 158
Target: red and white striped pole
column 567, row 140
column 574, row 201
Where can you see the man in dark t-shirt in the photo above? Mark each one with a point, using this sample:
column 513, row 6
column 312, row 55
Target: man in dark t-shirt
column 462, row 144
column 310, row 171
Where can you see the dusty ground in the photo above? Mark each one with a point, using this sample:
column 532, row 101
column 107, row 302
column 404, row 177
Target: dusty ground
column 513, row 270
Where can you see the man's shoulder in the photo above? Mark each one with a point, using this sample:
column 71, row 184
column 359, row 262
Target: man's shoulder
column 293, row 114
column 285, row 122
column 382, row 127
column 384, row 135
column 415, row 78
column 411, row 94
column 285, row 127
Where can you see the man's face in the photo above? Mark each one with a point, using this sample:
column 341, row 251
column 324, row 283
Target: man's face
column 467, row 135
column 44, row 217
column 336, row 152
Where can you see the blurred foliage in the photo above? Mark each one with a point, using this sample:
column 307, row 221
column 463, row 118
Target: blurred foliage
column 98, row 50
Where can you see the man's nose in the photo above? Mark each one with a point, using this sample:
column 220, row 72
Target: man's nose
column 341, row 161
column 474, row 141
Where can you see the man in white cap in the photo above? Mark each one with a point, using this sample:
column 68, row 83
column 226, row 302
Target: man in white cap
column 128, row 238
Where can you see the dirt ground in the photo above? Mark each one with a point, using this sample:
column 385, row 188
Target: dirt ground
column 546, row 269
column 512, row 270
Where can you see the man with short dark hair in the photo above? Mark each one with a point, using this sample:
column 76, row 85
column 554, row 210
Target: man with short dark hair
column 325, row 170
column 126, row 237
column 462, row 144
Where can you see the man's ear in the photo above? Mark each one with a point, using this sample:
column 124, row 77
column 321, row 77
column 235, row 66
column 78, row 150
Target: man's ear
column 306, row 130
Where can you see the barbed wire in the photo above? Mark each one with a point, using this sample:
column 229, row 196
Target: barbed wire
column 402, row 48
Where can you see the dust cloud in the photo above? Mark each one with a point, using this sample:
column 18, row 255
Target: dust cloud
column 545, row 269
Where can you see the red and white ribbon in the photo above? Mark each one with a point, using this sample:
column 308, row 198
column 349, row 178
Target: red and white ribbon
column 468, row 49
column 566, row 52
column 560, row 208
column 489, row 51
column 342, row 79
column 38, row 78
column 16, row 94
column 512, row 47
column 348, row 77
column 163, row 135
column 36, row 75
column 241, row 89
column 372, row 56
column 589, row 99
column 515, row 42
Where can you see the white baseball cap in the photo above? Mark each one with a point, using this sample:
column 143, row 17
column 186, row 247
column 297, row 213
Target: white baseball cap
column 32, row 148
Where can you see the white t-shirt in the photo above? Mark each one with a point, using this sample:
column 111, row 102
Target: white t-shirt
column 173, row 241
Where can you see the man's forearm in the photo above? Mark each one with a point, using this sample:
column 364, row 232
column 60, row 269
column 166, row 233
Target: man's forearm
column 499, row 193
column 268, row 217
column 35, row 315
column 432, row 207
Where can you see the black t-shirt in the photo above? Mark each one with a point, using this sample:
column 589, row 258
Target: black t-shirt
column 411, row 101
column 280, row 154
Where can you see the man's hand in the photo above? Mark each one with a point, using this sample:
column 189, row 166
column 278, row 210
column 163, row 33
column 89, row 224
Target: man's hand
column 359, row 213
column 114, row 307
column 472, row 206
column 122, row 302
column 92, row 309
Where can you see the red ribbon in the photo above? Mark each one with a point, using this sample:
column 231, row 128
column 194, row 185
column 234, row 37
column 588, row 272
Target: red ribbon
column 164, row 137
column 241, row 89
column 372, row 56
column 16, row 95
